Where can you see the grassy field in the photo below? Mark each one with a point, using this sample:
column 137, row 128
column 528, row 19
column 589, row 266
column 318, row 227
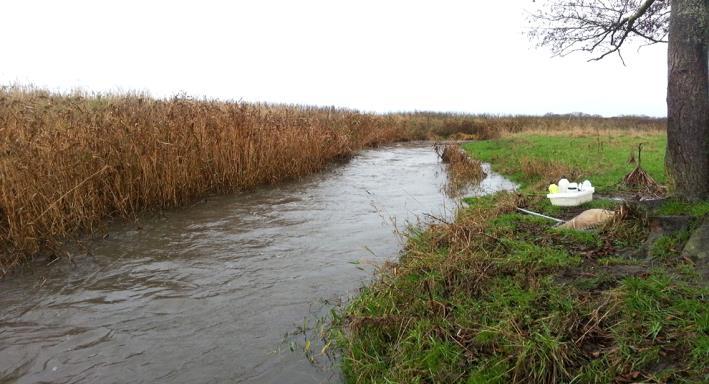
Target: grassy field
column 68, row 161
column 501, row 297
column 603, row 159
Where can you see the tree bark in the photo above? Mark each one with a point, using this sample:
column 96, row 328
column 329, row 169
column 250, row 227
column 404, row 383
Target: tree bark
column 687, row 157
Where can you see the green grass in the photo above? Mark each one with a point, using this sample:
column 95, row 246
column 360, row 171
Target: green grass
column 521, row 304
column 676, row 207
column 589, row 239
column 617, row 260
column 669, row 245
column 528, row 254
column 503, row 297
column 601, row 159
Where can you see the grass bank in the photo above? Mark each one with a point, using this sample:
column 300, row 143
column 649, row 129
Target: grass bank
column 68, row 161
column 501, row 297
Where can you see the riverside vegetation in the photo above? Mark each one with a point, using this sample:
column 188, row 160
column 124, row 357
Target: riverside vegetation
column 68, row 161
column 463, row 171
column 501, row 297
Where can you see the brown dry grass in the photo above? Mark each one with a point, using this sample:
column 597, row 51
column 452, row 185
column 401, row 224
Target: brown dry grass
column 604, row 133
column 69, row 161
column 546, row 171
column 463, row 170
column 484, row 127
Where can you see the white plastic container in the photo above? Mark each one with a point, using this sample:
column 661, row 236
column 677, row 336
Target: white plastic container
column 571, row 198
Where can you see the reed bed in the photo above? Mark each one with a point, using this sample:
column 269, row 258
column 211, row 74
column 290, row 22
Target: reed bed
column 68, row 161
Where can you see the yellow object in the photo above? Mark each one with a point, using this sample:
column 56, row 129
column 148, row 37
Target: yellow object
column 553, row 188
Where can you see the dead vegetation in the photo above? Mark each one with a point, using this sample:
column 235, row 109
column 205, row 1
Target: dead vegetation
column 546, row 171
column 463, row 171
column 67, row 162
column 639, row 180
column 485, row 127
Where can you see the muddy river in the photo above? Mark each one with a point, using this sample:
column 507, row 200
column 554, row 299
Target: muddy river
column 217, row 291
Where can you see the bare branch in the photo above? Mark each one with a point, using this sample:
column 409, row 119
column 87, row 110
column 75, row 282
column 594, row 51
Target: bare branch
column 599, row 27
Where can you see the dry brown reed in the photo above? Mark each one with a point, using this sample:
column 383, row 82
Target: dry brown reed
column 67, row 161
column 463, row 171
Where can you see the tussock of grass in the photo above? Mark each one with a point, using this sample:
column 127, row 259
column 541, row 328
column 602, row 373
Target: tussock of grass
column 501, row 297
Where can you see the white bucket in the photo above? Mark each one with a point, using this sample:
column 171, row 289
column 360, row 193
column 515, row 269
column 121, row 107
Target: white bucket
column 571, row 198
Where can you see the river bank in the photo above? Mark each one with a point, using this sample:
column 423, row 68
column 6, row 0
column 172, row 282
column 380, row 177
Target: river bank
column 69, row 161
column 497, row 296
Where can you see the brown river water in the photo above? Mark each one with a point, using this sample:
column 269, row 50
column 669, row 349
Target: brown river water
column 215, row 292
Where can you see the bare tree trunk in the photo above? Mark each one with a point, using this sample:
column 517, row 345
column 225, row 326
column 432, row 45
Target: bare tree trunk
column 688, row 99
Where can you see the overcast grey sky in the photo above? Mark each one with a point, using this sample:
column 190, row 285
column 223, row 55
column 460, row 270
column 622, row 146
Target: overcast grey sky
column 383, row 55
